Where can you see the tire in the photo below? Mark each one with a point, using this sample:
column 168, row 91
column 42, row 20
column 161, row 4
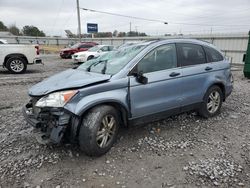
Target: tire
column 90, row 57
column 16, row 65
column 212, row 102
column 93, row 124
column 69, row 56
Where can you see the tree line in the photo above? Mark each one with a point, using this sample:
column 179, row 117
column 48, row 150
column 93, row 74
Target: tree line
column 30, row 30
column 27, row 30
column 109, row 34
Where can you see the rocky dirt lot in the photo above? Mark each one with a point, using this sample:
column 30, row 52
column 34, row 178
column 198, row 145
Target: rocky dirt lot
column 181, row 151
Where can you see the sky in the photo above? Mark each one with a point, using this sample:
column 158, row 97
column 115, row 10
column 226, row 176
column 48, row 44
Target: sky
column 183, row 16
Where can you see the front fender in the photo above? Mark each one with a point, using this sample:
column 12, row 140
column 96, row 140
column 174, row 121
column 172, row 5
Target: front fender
column 119, row 96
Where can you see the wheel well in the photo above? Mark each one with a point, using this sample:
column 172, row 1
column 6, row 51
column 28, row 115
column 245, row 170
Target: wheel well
column 123, row 113
column 14, row 55
column 76, row 121
column 222, row 87
column 91, row 56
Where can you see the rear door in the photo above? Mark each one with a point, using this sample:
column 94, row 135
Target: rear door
column 163, row 90
column 195, row 71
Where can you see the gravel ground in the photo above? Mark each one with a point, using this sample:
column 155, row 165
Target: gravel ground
column 181, row 151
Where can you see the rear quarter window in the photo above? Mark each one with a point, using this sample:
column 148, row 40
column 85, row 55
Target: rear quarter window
column 213, row 55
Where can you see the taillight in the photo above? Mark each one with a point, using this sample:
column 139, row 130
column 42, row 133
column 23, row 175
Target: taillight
column 37, row 50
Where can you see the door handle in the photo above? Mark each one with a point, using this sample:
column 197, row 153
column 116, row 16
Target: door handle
column 174, row 74
column 208, row 68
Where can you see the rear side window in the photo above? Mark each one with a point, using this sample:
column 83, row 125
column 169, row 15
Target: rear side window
column 190, row 54
column 86, row 46
column 213, row 55
column 111, row 48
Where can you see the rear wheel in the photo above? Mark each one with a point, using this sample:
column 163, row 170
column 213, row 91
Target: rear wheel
column 99, row 130
column 16, row 65
column 212, row 102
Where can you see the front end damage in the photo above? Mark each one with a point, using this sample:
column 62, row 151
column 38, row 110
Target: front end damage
column 50, row 123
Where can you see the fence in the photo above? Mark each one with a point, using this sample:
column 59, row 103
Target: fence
column 232, row 45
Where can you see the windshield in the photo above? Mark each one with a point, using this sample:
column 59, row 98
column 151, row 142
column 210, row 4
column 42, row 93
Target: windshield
column 94, row 49
column 75, row 45
column 112, row 62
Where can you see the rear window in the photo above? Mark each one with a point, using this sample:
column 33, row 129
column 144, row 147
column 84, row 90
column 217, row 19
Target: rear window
column 190, row 54
column 213, row 55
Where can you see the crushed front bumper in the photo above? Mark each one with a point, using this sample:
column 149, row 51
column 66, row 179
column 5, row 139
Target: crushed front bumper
column 50, row 123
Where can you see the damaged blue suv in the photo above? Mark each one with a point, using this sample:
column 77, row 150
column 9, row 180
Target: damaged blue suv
column 134, row 85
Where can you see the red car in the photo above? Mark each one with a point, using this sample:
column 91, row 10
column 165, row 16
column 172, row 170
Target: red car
column 78, row 47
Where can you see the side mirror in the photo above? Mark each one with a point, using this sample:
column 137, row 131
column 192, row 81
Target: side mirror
column 99, row 51
column 141, row 78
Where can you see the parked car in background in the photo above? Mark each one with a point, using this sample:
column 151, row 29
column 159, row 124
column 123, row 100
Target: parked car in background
column 16, row 57
column 133, row 85
column 79, row 47
column 91, row 53
column 3, row 41
column 126, row 44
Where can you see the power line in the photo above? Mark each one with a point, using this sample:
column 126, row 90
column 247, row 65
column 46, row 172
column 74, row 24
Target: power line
column 126, row 16
column 161, row 21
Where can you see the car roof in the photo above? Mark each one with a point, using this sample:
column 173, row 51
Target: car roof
column 87, row 43
column 162, row 41
column 102, row 45
column 185, row 40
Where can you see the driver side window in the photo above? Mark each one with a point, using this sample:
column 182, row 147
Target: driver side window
column 161, row 58
column 105, row 48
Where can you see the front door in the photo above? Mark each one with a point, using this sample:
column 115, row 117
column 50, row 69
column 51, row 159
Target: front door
column 163, row 90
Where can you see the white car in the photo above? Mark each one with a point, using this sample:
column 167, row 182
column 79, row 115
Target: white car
column 3, row 41
column 93, row 52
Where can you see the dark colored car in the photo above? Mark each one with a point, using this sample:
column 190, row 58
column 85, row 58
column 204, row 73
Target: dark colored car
column 79, row 47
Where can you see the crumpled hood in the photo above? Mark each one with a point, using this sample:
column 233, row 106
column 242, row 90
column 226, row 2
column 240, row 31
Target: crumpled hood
column 72, row 78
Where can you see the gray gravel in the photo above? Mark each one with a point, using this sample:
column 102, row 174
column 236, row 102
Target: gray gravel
column 181, row 151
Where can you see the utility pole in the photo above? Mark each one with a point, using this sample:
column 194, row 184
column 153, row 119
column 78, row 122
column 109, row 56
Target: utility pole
column 79, row 20
column 136, row 32
column 129, row 27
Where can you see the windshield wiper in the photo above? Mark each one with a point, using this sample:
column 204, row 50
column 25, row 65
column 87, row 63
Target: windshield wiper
column 94, row 64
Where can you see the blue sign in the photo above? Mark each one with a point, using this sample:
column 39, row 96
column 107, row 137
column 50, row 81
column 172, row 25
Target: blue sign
column 92, row 28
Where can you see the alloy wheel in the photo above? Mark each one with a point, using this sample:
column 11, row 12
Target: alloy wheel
column 213, row 102
column 16, row 65
column 106, row 131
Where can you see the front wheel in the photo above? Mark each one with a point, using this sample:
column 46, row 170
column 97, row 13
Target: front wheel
column 99, row 130
column 16, row 65
column 90, row 57
column 212, row 102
